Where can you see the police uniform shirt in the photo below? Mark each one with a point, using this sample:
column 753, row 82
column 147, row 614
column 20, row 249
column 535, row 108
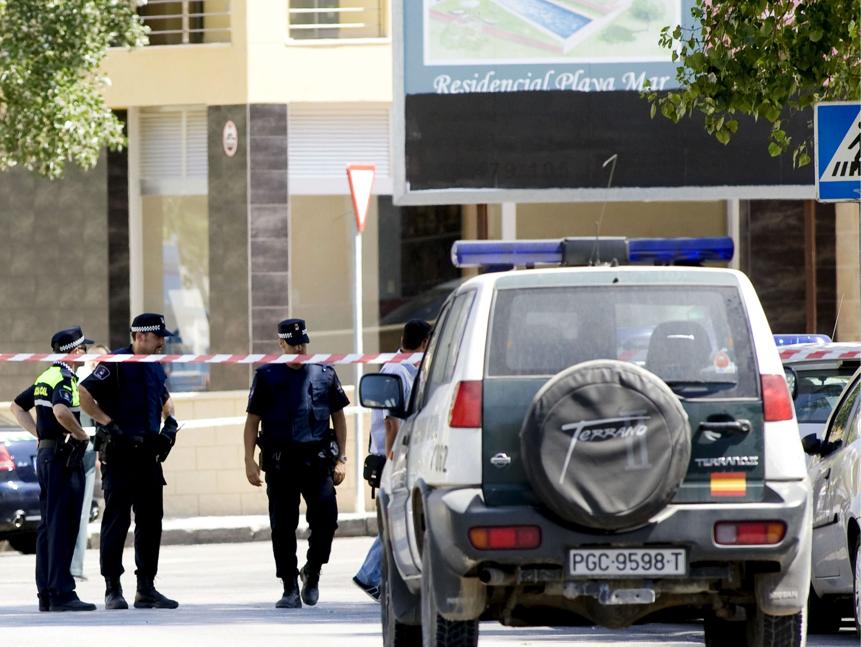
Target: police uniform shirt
column 131, row 393
column 57, row 385
column 294, row 404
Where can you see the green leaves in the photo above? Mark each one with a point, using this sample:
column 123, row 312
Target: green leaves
column 51, row 108
column 763, row 58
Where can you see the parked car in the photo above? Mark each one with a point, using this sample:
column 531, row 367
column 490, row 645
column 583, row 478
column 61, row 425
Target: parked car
column 543, row 476
column 835, row 473
column 19, row 489
column 817, row 373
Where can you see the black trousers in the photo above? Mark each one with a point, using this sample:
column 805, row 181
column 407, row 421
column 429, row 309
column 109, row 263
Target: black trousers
column 132, row 480
column 310, row 477
column 61, row 496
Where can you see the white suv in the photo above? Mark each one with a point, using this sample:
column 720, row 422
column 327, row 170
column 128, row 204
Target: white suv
column 539, row 479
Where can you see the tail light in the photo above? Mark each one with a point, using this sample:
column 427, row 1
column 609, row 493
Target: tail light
column 7, row 463
column 748, row 533
column 466, row 408
column 776, row 403
column 505, row 537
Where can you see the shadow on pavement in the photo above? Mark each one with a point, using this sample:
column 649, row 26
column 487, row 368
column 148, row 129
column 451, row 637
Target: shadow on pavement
column 192, row 614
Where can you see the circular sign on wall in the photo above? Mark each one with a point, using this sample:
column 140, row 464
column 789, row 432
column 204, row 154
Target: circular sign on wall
column 230, row 138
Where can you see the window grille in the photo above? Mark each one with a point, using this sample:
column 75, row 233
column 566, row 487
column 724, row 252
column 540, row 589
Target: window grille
column 187, row 22
column 341, row 19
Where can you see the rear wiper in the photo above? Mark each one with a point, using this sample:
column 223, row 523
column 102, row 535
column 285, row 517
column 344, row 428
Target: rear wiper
column 698, row 386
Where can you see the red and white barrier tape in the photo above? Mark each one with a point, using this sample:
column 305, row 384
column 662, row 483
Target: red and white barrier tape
column 813, row 353
column 319, row 358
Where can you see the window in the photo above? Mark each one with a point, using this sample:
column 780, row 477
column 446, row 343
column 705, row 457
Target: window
column 187, row 22
column 322, row 19
column 818, row 391
column 175, row 228
column 448, row 347
column 841, row 428
column 696, row 337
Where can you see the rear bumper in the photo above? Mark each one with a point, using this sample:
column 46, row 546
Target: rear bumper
column 19, row 507
column 781, row 586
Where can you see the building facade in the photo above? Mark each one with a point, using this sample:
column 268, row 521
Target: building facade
column 230, row 209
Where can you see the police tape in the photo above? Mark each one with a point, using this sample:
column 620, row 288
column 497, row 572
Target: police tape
column 252, row 358
column 812, row 353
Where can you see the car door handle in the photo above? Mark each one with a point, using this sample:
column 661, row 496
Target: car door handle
column 726, row 427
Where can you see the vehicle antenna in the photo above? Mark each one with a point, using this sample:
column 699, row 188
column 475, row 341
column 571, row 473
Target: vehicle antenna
column 837, row 317
column 595, row 257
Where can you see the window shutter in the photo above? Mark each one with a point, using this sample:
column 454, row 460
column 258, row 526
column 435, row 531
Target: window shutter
column 323, row 139
column 173, row 152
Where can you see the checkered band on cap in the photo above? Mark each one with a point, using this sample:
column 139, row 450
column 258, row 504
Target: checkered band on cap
column 71, row 345
column 288, row 335
column 146, row 328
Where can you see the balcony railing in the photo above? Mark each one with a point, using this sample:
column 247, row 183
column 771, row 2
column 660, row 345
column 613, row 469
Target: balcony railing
column 187, row 22
column 340, row 19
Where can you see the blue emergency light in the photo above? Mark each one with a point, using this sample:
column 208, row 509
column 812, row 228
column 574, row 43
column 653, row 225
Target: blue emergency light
column 789, row 340
column 591, row 251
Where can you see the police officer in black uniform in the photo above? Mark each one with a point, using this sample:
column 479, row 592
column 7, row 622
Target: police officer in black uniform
column 128, row 402
column 295, row 402
column 60, row 468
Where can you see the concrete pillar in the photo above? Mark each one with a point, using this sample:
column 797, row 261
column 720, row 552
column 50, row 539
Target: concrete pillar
column 848, row 249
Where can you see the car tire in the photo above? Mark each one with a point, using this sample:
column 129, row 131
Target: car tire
column 765, row 630
column 822, row 617
column 646, row 450
column 395, row 634
column 436, row 630
column 24, row 542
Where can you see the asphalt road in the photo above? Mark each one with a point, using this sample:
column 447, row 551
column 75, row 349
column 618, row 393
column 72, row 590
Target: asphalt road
column 227, row 594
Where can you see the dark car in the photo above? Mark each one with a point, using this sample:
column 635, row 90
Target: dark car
column 19, row 489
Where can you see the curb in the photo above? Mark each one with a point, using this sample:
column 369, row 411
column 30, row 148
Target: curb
column 215, row 530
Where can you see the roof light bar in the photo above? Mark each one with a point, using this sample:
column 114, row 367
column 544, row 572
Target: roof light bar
column 790, row 339
column 591, row 251
column 481, row 253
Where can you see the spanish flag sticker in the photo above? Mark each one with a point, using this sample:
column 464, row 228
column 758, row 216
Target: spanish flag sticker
column 728, row 484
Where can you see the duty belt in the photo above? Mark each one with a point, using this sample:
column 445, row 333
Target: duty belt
column 47, row 444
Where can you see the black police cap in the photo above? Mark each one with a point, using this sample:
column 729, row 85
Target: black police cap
column 293, row 331
column 151, row 322
column 69, row 339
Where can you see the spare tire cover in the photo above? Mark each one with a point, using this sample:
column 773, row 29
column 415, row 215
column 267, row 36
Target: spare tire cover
column 606, row 444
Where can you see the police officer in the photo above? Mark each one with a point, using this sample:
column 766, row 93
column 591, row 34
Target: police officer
column 295, row 402
column 62, row 442
column 128, row 401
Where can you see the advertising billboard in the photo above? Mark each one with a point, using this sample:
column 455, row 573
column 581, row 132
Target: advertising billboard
column 524, row 100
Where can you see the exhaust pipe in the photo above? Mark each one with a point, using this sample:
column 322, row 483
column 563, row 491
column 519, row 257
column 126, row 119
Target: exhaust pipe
column 495, row 577
column 19, row 519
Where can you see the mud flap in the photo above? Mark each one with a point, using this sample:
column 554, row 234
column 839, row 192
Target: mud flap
column 785, row 593
column 457, row 598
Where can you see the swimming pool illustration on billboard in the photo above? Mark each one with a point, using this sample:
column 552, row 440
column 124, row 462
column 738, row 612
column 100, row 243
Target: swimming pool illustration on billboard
column 468, row 32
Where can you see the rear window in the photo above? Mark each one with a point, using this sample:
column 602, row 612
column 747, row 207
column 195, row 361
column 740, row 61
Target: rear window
column 819, row 391
column 696, row 338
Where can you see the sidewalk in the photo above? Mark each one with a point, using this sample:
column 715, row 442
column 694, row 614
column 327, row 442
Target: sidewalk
column 219, row 530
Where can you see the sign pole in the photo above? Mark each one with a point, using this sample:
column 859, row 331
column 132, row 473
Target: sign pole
column 359, row 450
column 361, row 180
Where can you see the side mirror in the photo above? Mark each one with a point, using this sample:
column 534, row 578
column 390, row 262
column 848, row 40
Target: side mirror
column 811, row 445
column 791, row 381
column 383, row 391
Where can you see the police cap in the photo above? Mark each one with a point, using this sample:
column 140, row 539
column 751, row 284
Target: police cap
column 151, row 322
column 293, row 331
column 69, row 339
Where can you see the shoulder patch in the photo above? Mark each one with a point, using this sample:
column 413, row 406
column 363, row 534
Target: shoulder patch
column 102, row 372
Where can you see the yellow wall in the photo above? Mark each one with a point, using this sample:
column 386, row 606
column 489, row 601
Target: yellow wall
column 321, row 271
column 259, row 65
column 643, row 219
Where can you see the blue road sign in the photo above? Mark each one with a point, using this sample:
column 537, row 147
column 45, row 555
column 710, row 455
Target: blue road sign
column 837, row 131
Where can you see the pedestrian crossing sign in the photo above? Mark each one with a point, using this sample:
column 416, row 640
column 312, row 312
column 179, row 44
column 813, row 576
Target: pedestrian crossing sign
column 837, row 134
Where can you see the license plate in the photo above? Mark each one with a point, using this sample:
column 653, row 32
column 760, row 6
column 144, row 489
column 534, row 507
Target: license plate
column 627, row 562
